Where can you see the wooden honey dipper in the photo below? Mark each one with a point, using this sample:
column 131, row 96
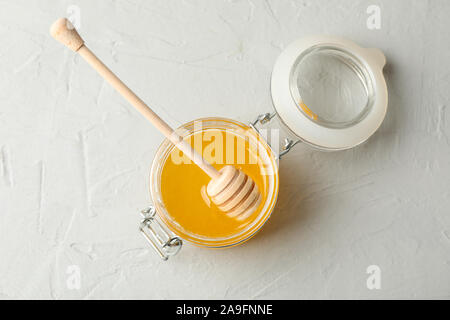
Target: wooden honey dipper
column 230, row 189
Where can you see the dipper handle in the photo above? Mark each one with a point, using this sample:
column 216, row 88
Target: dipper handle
column 230, row 189
column 63, row 31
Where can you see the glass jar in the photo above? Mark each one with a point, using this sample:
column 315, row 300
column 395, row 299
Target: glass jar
column 326, row 91
column 164, row 232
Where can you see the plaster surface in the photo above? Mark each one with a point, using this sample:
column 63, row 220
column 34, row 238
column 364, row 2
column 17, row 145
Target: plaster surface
column 75, row 158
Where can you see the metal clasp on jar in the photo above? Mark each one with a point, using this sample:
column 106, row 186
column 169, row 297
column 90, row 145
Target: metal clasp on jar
column 287, row 144
column 162, row 240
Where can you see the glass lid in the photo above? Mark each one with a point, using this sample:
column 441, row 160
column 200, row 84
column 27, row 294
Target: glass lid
column 330, row 92
column 331, row 87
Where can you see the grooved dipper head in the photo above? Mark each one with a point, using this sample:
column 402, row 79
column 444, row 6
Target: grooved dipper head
column 235, row 193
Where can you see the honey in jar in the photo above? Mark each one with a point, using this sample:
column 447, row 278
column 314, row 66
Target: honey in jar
column 182, row 184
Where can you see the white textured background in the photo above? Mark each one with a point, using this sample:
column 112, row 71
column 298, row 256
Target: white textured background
column 74, row 157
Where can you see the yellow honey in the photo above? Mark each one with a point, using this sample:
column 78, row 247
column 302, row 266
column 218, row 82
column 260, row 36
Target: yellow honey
column 183, row 183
